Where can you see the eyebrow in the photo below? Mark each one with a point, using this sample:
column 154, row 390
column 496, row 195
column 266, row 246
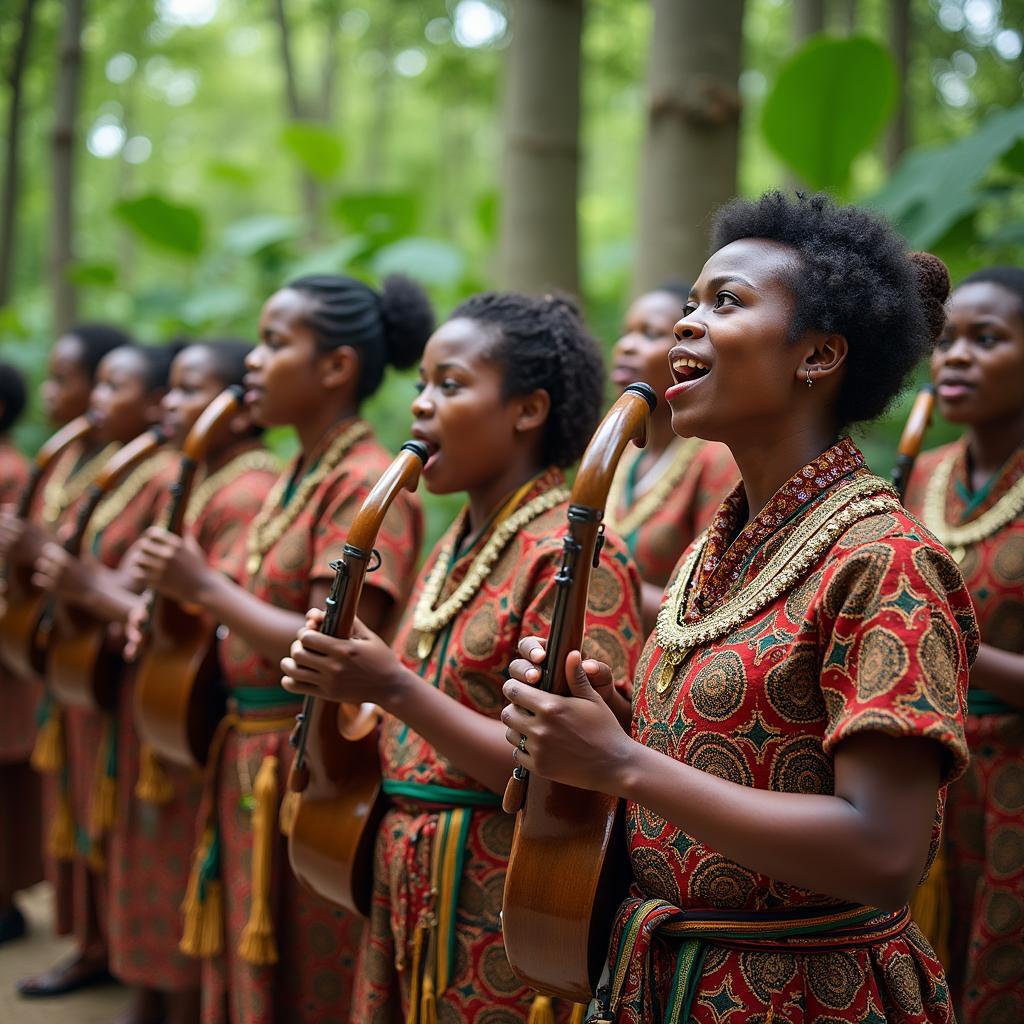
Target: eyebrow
column 717, row 282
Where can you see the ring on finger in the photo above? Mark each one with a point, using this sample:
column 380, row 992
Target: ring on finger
column 522, row 744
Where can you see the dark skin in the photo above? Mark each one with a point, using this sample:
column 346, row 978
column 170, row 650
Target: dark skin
column 290, row 382
column 868, row 842
column 488, row 447
column 642, row 354
column 978, row 370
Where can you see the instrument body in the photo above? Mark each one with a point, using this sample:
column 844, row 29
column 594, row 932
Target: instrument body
column 912, row 438
column 567, row 870
column 81, row 669
column 337, row 766
column 25, row 603
column 178, row 697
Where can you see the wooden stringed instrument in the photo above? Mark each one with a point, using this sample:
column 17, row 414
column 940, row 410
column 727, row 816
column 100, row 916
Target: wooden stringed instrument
column 567, row 870
column 25, row 603
column 81, row 669
column 336, row 771
column 178, row 696
column 912, row 438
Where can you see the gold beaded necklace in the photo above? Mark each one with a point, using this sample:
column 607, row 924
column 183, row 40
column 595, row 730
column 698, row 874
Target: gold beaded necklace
column 117, row 500
column 649, row 503
column 270, row 524
column 66, row 484
column 959, row 538
column 260, row 459
column 427, row 620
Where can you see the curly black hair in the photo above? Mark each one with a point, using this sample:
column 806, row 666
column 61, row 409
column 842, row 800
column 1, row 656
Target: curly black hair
column 544, row 344
column 157, row 360
column 228, row 357
column 389, row 327
column 853, row 276
column 1009, row 278
column 95, row 341
column 13, row 396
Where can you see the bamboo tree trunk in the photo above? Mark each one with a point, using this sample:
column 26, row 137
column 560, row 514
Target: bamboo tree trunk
column 899, row 34
column 538, row 243
column 12, row 156
column 691, row 150
column 65, row 299
column 847, row 16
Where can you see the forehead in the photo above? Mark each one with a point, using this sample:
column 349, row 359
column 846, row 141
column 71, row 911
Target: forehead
column 67, row 350
column 196, row 359
column 123, row 361
column 286, row 306
column 760, row 261
column 657, row 304
column 986, row 299
column 459, row 341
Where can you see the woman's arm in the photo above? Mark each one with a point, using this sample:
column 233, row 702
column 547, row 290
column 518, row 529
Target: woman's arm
column 83, row 583
column 1001, row 673
column 867, row 843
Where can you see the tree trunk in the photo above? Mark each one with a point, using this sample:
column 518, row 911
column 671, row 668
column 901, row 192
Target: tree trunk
column 308, row 186
column 331, row 61
column 65, row 299
column 693, row 116
column 846, row 16
column 12, row 164
column 538, row 235
column 379, row 136
column 898, row 135
column 808, row 18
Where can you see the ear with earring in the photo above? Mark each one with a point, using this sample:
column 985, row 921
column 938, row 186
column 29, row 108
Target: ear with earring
column 810, row 383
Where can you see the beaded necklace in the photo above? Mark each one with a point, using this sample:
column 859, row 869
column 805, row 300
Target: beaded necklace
column 427, row 620
column 959, row 538
column 117, row 500
column 270, row 524
column 260, row 459
column 66, row 484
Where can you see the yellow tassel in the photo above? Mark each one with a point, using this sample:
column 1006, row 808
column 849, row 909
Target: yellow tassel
column 104, row 804
column 152, row 786
column 541, row 1012
column 203, row 931
column 579, row 1012
column 48, row 752
column 62, row 830
column 257, row 944
column 414, row 981
column 428, row 1002
column 289, row 811
column 930, row 906
column 97, row 857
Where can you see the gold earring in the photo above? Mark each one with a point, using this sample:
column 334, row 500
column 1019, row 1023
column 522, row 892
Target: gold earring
column 810, row 383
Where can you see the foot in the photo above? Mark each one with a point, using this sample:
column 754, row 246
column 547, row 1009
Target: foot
column 12, row 924
column 79, row 971
column 146, row 1007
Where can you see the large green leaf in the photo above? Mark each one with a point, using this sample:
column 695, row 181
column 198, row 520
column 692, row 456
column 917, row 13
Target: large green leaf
column 934, row 187
column 252, row 234
column 332, row 259
column 428, row 260
column 164, row 223
column 829, row 103
column 317, row 148
column 378, row 215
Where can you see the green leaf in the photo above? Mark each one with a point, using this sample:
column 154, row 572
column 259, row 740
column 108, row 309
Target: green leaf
column 428, row 260
column 169, row 225
column 1013, row 158
column 253, row 234
column 230, row 173
column 216, row 305
column 381, row 216
column 487, row 215
column 934, row 187
column 829, row 103
column 332, row 259
column 316, row 147
column 100, row 273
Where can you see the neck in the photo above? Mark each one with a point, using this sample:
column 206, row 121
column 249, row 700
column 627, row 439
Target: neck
column 484, row 501
column 312, row 431
column 991, row 444
column 766, row 464
column 659, row 433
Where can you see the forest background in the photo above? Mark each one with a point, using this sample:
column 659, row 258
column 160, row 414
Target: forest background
column 168, row 163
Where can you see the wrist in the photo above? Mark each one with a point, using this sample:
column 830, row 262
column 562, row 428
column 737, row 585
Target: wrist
column 395, row 689
column 628, row 770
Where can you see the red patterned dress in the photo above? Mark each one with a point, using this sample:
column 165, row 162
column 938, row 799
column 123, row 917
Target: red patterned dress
column 984, row 833
column 20, row 794
column 315, row 942
column 831, row 613
column 438, row 815
column 91, row 736
column 660, row 523
column 154, row 835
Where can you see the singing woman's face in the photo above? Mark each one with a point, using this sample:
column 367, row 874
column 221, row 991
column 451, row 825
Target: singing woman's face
column 642, row 351
column 195, row 382
column 978, row 362
column 65, row 390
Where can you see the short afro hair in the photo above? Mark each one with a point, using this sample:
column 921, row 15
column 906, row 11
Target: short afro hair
column 13, row 396
column 853, row 276
column 543, row 344
column 1009, row 278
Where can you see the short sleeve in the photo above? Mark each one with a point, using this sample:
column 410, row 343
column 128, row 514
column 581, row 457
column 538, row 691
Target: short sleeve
column 897, row 634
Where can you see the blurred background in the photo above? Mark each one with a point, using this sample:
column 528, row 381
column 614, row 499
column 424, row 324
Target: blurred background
column 169, row 163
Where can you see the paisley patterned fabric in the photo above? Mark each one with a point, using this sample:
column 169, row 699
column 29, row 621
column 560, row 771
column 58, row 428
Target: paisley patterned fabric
column 685, row 511
column 984, row 833
column 316, row 941
column 469, row 661
column 876, row 635
column 151, row 846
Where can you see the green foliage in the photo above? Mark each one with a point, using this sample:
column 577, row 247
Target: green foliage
column 319, row 150
column 828, row 104
column 166, row 224
column 380, row 216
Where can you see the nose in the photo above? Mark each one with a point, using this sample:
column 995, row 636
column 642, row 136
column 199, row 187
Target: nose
column 958, row 352
column 626, row 345
column 253, row 358
column 422, row 407
column 688, row 328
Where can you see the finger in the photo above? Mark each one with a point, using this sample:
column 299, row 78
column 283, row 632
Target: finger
column 579, row 684
column 529, row 698
column 301, row 676
column 360, row 631
column 316, row 643
column 518, row 721
column 304, row 658
column 599, row 674
column 523, row 671
column 532, row 648
column 42, row 582
column 315, row 618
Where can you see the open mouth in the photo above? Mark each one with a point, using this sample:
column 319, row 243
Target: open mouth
column 686, row 370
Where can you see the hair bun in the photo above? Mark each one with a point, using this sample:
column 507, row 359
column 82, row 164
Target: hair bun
column 933, row 286
column 408, row 319
column 563, row 302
